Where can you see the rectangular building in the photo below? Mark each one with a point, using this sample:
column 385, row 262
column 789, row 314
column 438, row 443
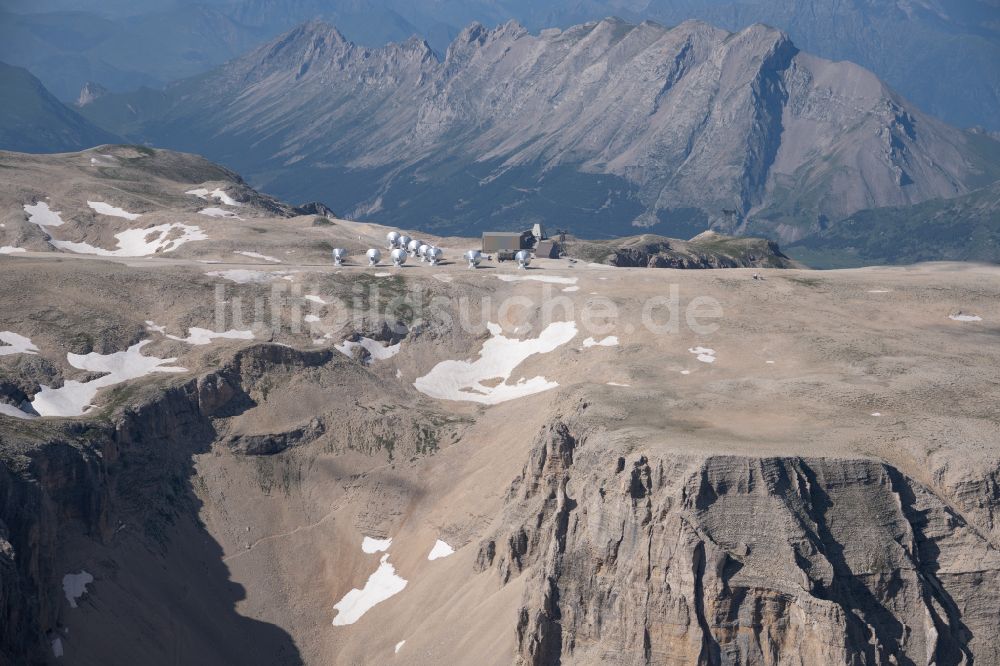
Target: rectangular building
column 495, row 242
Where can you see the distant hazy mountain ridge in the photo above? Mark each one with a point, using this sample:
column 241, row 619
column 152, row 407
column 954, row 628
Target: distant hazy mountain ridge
column 965, row 228
column 942, row 55
column 32, row 120
column 601, row 127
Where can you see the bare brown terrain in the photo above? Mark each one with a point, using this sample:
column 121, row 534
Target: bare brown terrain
column 798, row 469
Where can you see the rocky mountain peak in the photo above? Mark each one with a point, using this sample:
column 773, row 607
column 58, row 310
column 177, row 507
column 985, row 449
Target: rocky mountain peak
column 477, row 35
column 474, row 32
column 308, row 38
column 761, row 46
column 323, row 30
column 511, row 30
column 90, row 92
column 418, row 47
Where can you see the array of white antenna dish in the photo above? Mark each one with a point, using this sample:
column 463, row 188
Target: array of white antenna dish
column 400, row 246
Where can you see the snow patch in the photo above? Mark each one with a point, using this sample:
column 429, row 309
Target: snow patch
column 57, row 646
column 610, row 341
column 11, row 410
column 876, row 413
column 372, row 545
column 219, row 212
column 617, row 384
column 399, row 646
column 381, row 585
column 257, row 255
column 440, row 549
column 964, row 317
column 42, row 215
column 75, row 586
column 314, row 299
column 218, row 194
column 704, row 354
column 113, row 211
column 551, row 279
column 571, row 289
column 16, row 344
column 499, row 356
column 7, row 249
column 203, row 336
column 140, row 242
column 311, row 318
column 378, row 351
column 75, row 398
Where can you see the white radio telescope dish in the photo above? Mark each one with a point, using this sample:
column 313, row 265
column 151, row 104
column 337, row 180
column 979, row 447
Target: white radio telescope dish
column 413, row 246
column 339, row 254
column 392, row 238
column 523, row 259
column 434, row 255
column 374, row 256
column 473, row 257
column 398, row 257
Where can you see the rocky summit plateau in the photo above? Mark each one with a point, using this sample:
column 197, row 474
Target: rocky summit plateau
column 219, row 447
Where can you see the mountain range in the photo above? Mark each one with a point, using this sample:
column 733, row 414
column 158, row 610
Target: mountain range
column 942, row 55
column 69, row 48
column 961, row 229
column 32, row 120
column 603, row 127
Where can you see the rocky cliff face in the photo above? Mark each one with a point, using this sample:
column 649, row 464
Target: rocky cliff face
column 90, row 478
column 629, row 552
column 127, row 480
column 674, row 558
column 706, row 250
column 603, row 123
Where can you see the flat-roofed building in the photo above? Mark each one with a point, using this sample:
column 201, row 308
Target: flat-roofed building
column 506, row 242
